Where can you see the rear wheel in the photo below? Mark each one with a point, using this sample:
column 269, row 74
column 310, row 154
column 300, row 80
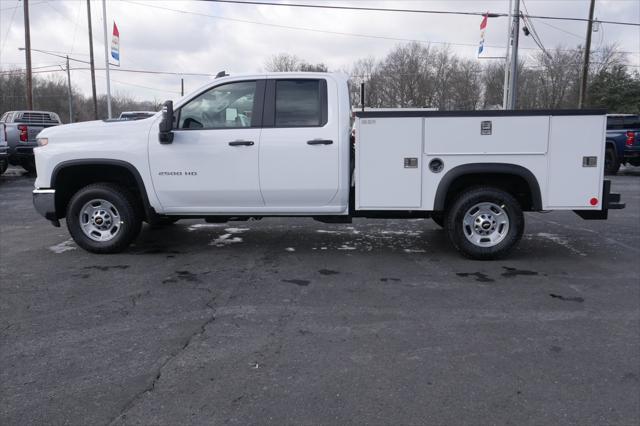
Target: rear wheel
column 4, row 165
column 611, row 161
column 485, row 223
column 102, row 218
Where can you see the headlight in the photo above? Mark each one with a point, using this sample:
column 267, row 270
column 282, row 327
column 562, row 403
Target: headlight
column 42, row 141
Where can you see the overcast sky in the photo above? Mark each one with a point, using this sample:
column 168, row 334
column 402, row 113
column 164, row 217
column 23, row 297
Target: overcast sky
column 206, row 37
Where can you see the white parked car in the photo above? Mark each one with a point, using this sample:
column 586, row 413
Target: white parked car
column 279, row 145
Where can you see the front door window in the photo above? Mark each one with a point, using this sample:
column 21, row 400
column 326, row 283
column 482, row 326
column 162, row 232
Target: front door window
column 229, row 106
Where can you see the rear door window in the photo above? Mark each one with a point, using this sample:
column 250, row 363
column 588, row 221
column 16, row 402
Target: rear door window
column 300, row 103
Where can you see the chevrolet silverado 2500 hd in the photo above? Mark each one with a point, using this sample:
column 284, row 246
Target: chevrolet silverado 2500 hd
column 279, row 145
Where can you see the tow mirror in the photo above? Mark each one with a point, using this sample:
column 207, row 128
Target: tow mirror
column 165, row 134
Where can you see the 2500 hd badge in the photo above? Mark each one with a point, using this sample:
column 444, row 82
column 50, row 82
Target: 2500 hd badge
column 178, row 173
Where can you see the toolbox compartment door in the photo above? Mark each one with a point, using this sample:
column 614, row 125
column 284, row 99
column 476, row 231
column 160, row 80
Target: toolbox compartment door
column 576, row 160
column 389, row 163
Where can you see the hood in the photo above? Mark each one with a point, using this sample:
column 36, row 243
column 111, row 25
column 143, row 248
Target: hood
column 87, row 131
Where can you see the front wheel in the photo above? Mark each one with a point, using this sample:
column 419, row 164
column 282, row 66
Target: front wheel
column 485, row 223
column 102, row 218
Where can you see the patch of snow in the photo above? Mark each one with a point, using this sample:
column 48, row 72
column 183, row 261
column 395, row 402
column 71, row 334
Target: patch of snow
column 353, row 230
column 346, row 247
column 414, row 251
column 203, row 225
column 225, row 239
column 63, row 246
column 410, row 233
column 326, row 231
column 291, row 249
column 561, row 241
column 236, row 230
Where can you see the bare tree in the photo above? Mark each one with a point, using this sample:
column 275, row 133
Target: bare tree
column 51, row 95
column 284, row 62
column 410, row 75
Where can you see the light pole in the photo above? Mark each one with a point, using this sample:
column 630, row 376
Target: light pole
column 513, row 75
column 93, row 68
column 27, row 52
column 505, row 90
column 69, row 91
column 585, row 65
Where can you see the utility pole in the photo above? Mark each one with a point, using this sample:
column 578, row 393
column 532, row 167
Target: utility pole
column 93, row 68
column 505, row 92
column 585, row 66
column 182, row 87
column 27, row 53
column 513, row 75
column 70, row 92
column 106, row 56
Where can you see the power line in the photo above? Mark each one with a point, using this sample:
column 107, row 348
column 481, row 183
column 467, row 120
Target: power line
column 127, row 70
column 369, row 9
column 291, row 27
column 534, row 34
column 141, row 86
column 562, row 30
column 315, row 30
column 439, row 12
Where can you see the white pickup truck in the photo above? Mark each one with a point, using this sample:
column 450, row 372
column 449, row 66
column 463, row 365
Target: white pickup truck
column 281, row 145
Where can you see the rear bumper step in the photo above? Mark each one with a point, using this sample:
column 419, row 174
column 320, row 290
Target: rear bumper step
column 610, row 201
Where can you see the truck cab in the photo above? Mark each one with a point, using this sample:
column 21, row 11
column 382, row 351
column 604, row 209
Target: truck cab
column 259, row 144
column 279, row 144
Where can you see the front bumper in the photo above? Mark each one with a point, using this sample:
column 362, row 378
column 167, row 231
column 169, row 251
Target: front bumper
column 44, row 200
column 610, row 201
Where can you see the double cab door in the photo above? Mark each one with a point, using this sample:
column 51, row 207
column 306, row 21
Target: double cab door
column 257, row 145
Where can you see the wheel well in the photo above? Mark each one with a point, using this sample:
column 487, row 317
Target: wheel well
column 69, row 179
column 514, row 184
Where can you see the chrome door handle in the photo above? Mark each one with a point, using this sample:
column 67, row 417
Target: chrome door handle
column 241, row 143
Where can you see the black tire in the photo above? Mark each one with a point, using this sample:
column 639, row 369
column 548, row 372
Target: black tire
column 467, row 200
column 122, row 200
column 4, row 165
column 29, row 165
column 438, row 218
column 611, row 161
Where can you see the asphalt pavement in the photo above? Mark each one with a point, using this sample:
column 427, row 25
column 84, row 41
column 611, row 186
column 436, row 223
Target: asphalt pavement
column 290, row 321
